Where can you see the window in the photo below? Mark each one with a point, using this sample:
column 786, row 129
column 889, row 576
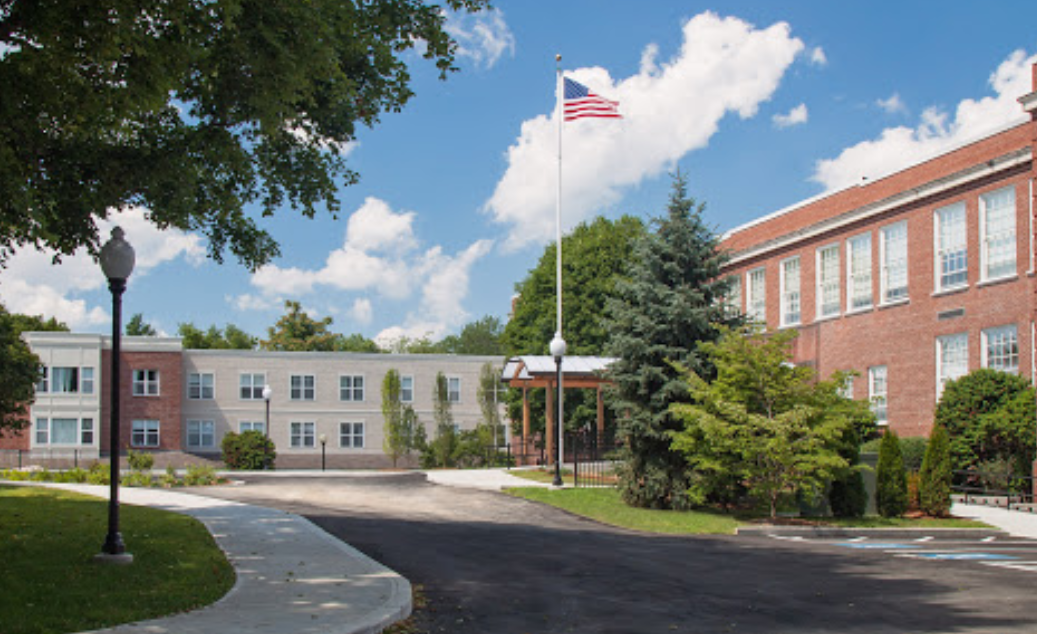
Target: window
column 303, row 387
column 997, row 227
column 86, row 431
column 64, row 431
column 952, row 359
column 893, row 255
column 42, row 384
column 351, row 388
column 877, row 393
column 858, row 273
column 846, row 389
column 733, row 300
column 248, row 425
column 756, row 300
column 828, row 281
column 453, row 390
column 407, row 389
column 303, row 434
column 1001, row 349
column 200, row 385
column 790, row 310
column 201, row 434
column 86, row 380
column 351, row 435
column 145, row 382
column 252, row 386
column 42, row 431
column 145, row 433
column 951, row 248
column 63, row 380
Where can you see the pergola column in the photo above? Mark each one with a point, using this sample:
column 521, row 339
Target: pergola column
column 550, row 425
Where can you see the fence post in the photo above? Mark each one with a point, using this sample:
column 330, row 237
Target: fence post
column 19, row 458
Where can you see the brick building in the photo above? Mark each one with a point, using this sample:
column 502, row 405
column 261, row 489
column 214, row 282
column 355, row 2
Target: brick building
column 911, row 280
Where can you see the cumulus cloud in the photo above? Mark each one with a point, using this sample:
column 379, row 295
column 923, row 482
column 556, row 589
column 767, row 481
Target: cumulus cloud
column 670, row 108
column 937, row 131
column 482, row 38
column 893, row 105
column 818, row 57
column 796, row 116
column 362, row 313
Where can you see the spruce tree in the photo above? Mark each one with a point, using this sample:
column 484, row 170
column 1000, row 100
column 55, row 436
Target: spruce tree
column 669, row 302
column 935, row 487
column 891, row 478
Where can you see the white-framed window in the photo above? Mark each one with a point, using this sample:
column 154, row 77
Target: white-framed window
column 407, row 389
column 952, row 359
column 201, row 434
column 846, row 389
column 453, row 389
column 952, row 262
column 1001, row 348
column 997, row 234
column 733, row 298
column 351, row 435
column 86, row 380
column 43, row 384
column 200, row 385
column 790, row 295
column 145, row 433
column 828, row 292
column 351, row 388
column 893, row 256
column 251, row 425
column 64, row 431
column 302, row 434
column 878, row 386
column 858, row 272
column 145, row 383
column 252, row 384
column 302, row 387
column 66, row 380
column 756, row 298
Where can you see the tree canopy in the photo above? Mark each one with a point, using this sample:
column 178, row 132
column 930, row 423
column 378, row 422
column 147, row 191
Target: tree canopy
column 195, row 110
column 137, row 327
column 229, row 338
column 19, row 368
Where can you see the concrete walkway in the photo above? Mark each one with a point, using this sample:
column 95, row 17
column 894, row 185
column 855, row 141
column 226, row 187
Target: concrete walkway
column 1016, row 523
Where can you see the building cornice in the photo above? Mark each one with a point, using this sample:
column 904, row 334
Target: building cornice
column 1029, row 102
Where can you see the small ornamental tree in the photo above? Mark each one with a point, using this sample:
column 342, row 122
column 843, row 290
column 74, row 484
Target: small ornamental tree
column 891, row 478
column 935, row 486
column 441, row 451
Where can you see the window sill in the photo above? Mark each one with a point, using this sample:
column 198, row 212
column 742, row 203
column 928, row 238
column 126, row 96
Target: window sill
column 859, row 311
column 943, row 292
column 895, row 303
column 825, row 318
column 998, row 280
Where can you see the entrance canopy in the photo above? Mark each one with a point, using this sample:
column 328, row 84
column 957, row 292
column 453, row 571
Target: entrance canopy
column 540, row 371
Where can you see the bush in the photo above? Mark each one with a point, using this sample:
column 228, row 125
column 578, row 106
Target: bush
column 935, row 487
column 99, row 474
column 912, row 449
column 891, row 478
column 137, row 479
column 848, row 497
column 250, row 451
column 204, row 475
column 141, row 460
column 74, row 476
column 169, row 479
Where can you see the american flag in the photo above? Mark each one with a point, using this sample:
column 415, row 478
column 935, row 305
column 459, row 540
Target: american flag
column 580, row 102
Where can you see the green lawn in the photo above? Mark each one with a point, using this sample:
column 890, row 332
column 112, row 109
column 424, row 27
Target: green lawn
column 50, row 583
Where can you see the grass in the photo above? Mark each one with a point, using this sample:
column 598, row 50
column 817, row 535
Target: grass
column 899, row 522
column 50, row 583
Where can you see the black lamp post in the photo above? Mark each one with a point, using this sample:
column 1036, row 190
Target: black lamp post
column 323, row 451
column 117, row 260
column 557, row 347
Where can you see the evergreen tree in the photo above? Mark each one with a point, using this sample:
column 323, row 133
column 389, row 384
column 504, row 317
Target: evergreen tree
column 935, row 486
column 669, row 302
column 444, row 445
column 891, row 477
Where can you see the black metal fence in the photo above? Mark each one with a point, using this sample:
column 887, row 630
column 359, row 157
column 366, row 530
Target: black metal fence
column 593, row 458
column 46, row 458
column 1004, row 490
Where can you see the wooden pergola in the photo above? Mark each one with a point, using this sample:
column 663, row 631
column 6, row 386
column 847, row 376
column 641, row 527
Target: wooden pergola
column 541, row 372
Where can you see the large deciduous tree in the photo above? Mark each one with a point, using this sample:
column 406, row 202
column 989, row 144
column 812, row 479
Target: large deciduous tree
column 19, row 368
column 195, row 110
column 137, row 327
column 229, row 338
column 670, row 301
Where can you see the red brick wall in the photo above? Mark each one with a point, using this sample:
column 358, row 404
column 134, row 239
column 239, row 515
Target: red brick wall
column 165, row 407
column 15, row 439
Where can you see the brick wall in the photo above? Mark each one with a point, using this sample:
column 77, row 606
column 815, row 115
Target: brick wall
column 165, row 407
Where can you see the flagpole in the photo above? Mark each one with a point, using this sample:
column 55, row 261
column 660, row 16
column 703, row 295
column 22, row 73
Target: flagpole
column 559, row 349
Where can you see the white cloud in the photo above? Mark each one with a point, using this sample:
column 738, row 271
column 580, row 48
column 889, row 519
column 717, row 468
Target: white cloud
column 796, row 116
column 818, row 57
column 362, row 312
column 670, row 108
column 375, row 227
column 896, row 148
column 893, row 105
column 483, row 37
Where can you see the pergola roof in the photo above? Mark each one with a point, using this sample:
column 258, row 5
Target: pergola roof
column 540, row 371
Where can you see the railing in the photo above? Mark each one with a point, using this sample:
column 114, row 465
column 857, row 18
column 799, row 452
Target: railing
column 1003, row 490
column 592, row 457
column 46, row 458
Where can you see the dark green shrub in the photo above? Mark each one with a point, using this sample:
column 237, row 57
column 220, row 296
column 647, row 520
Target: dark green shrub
column 250, row 451
column 140, row 460
column 934, row 490
column 848, row 496
column 891, row 478
column 912, row 449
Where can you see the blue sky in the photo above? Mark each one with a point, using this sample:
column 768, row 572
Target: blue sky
column 761, row 104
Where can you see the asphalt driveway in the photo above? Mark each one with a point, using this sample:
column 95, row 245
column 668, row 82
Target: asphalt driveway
column 490, row 563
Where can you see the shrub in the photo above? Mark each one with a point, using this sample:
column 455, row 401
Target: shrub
column 848, row 497
column 250, row 451
column 99, row 474
column 203, row 475
column 169, row 479
column 914, row 484
column 137, row 479
column 141, row 460
column 891, row 478
column 75, row 476
column 912, row 449
column 935, row 486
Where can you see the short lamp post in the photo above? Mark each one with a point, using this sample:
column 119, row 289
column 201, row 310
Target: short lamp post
column 557, row 347
column 117, row 260
column 267, row 393
column 323, row 451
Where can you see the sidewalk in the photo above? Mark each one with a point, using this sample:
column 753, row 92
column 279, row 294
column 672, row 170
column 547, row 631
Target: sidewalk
column 292, row 577
column 1015, row 523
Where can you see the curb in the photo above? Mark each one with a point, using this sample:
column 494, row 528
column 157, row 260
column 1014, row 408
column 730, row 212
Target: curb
column 883, row 533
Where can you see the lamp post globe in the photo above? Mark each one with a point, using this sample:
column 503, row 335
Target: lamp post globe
column 557, row 348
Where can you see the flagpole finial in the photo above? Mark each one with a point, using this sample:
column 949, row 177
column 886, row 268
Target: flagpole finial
column 558, row 57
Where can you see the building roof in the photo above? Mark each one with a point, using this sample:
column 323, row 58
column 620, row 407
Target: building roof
column 539, row 370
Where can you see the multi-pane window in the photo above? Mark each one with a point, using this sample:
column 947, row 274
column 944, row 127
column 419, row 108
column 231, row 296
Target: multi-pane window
column 86, row 431
column 303, row 434
column 43, row 384
column 303, row 387
column 877, row 392
column 858, row 272
column 252, row 386
column 756, row 300
column 145, row 382
column 846, row 389
column 893, row 255
column 64, row 431
column 828, row 281
column 733, row 298
column 1001, row 349
column 952, row 359
column 407, row 389
column 351, row 435
column 200, row 385
column 997, row 224
column 86, row 380
column 351, row 388
column 201, row 434
column 951, row 248
column 251, row 425
column 453, row 390
column 790, row 296
column 145, row 433
column 63, row 380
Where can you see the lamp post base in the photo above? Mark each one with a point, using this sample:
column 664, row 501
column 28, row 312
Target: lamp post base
column 122, row 559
